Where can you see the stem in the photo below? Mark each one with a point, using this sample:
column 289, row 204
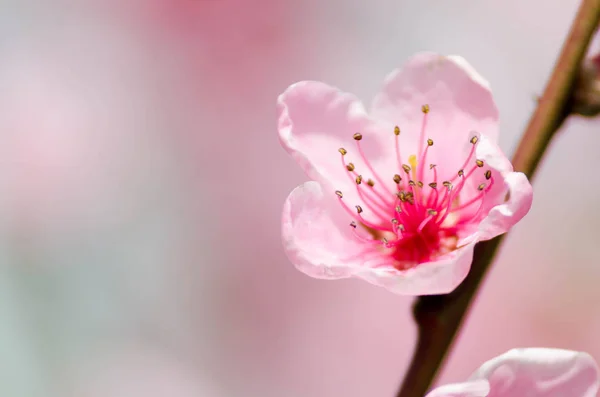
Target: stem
column 439, row 317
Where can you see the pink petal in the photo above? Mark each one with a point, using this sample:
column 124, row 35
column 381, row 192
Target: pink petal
column 460, row 102
column 315, row 120
column 541, row 373
column 477, row 388
column 312, row 240
column 437, row 277
column 502, row 215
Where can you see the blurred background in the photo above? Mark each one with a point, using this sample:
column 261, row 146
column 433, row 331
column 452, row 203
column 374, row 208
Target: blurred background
column 141, row 186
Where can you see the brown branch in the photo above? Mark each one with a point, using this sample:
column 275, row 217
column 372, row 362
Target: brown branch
column 439, row 317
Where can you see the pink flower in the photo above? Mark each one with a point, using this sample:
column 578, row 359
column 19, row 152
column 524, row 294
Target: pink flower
column 401, row 194
column 532, row 372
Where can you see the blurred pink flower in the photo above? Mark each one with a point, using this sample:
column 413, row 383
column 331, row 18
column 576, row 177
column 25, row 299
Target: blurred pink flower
column 533, row 372
column 418, row 181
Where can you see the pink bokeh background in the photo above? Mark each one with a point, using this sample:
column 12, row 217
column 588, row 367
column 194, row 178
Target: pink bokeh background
column 142, row 184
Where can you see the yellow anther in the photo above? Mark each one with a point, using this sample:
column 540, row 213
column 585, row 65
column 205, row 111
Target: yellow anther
column 357, row 136
column 396, row 130
column 339, row 193
column 342, row 151
column 425, row 108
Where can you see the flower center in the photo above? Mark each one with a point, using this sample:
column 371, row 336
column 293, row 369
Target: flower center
column 413, row 223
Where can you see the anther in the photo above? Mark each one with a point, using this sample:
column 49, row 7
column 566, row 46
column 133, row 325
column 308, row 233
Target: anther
column 401, row 227
column 447, row 184
column 401, row 196
column 398, row 209
column 433, row 185
column 394, row 221
column 396, row 130
column 397, row 178
column 370, row 182
column 419, row 184
column 430, row 142
column 411, row 183
column 474, row 140
column 488, row 174
column 384, row 241
column 432, row 212
column 342, row 151
column 358, row 179
column 339, row 193
column 353, row 224
column 357, row 136
column 406, row 168
column 481, row 187
column 358, row 209
column 350, row 167
column 461, row 172
column 425, row 108
column 431, row 166
column 479, row 163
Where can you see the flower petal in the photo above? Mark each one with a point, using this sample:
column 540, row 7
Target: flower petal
column 315, row 120
column 477, row 388
column 311, row 239
column 459, row 100
column 502, row 217
column 541, row 373
column 430, row 278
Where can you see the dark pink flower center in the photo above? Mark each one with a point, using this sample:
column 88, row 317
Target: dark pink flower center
column 415, row 222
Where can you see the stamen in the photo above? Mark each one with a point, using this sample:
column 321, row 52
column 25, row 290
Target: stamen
column 370, row 182
column 339, row 193
column 434, row 197
column 398, row 155
column 406, row 168
column 397, row 179
column 473, row 141
column 358, row 137
column 425, row 110
column 355, row 214
column 488, row 174
column 353, row 224
column 358, row 179
column 350, row 167
column 342, row 151
column 424, row 223
column 419, row 184
column 479, row 163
